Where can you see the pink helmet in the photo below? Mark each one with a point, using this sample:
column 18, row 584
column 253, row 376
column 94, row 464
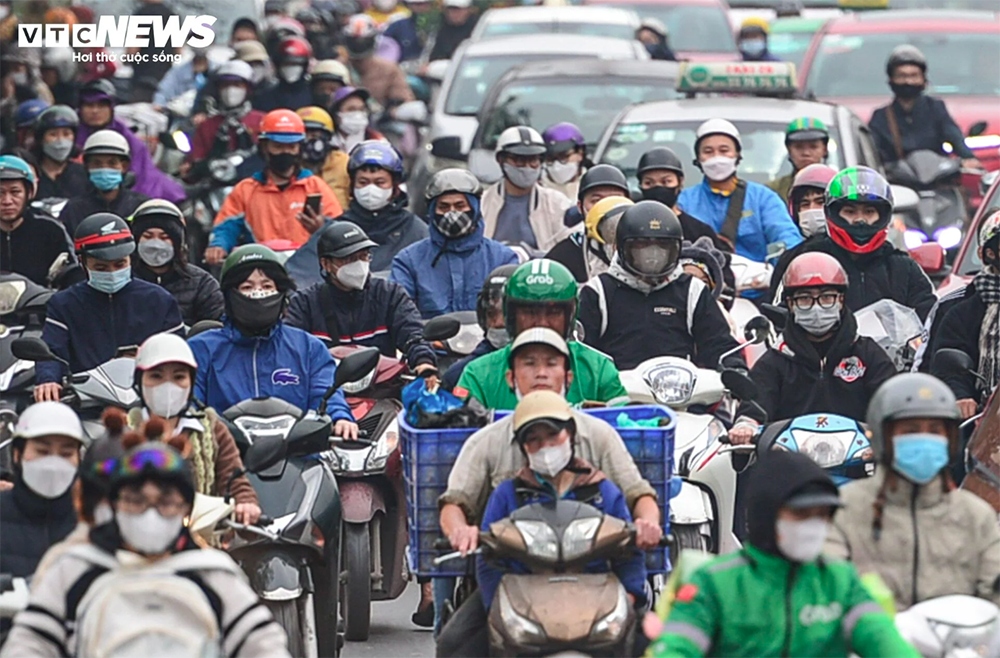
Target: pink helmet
column 815, row 176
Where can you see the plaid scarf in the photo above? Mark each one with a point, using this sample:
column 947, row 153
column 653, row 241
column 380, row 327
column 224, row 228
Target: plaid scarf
column 988, row 288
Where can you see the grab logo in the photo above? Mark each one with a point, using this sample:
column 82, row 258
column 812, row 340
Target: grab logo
column 539, row 273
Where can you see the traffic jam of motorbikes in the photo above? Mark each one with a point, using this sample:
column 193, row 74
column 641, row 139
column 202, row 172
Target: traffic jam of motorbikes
column 467, row 328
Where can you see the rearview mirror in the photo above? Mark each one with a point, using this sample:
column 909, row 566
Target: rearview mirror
column 355, row 366
column 977, row 129
column 441, row 328
column 778, row 315
column 33, row 349
column 757, row 329
column 449, row 148
column 929, row 256
column 904, row 199
column 741, row 386
column 951, row 362
column 266, row 451
column 203, row 325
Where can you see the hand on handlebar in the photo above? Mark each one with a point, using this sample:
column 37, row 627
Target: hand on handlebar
column 215, row 255
column 742, row 433
column 50, row 392
column 247, row 513
column 464, row 539
column 346, row 429
column 972, row 163
column 647, row 534
column 966, row 406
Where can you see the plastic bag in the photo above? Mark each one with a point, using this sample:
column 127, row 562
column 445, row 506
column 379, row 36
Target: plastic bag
column 433, row 407
column 896, row 328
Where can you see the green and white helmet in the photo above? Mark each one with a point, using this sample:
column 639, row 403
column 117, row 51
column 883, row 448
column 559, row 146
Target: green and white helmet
column 540, row 282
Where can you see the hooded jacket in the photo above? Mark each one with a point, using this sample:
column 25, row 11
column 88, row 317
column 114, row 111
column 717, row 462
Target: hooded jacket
column 29, row 525
column 394, row 228
column 546, row 210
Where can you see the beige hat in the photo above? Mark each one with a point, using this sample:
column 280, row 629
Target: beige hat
column 540, row 336
column 250, row 51
column 541, row 406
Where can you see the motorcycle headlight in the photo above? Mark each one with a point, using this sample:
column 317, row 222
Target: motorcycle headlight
column 578, row 537
column 521, row 630
column 913, row 238
column 361, row 384
column 466, row 339
column 670, row 384
column 971, row 642
column 10, row 292
column 222, row 170
column 827, row 450
column 610, row 627
column 948, row 237
column 382, row 449
column 539, row 539
column 256, row 428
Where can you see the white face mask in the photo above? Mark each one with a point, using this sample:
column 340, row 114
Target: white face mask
column 352, row 123
column 384, row 6
column 551, row 459
column 49, row 477
column 291, row 73
column 812, row 222
column 155, row 252
column 166, row 400
column 354, row 275
column 373, row 197
column 259, row 73
column 233, row 96
column 4, row 12
column 802, row 541
column 20, row 78
column 719, row 168
column 562, row 172
column 149, row 532
column 103, row 514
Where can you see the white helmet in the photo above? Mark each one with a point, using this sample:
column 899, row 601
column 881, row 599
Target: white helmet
column 49, row 418
column 61, row 59
column 235, row 68
column 107, row 142
column 330, row 69
column 164, row 348
column 718, row 127
column 521, row 140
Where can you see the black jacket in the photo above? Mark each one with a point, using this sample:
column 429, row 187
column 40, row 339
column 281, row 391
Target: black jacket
column 638, row 326
column 79, row 208
column 381, row 316
column 394, row 228
column 29, row 525
column 928, row 126
column 794, row 379
column 932, row 334
column 31, row 248
column 197, row 293
column 959, row 329
column 569, row 252
column 450, row 36
column 71, row 183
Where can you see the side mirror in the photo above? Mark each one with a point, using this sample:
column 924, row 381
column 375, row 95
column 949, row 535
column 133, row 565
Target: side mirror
column 904, row 199
column 977, row 129
column 441, row 328
column 757, row 329
column 448, row 148
column 354, row 367
column 929, row 256
column 775, row 249
column 203, row 325
column 778, row 315
column 739, row 385
column 265, row 452
column 951, row 362
column 436, row 70
column 33, row 349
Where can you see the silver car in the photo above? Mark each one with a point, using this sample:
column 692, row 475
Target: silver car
column 591, row 21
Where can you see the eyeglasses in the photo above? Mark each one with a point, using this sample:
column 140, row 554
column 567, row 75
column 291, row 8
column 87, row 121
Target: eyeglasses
column 824, row 299
column 137, row 504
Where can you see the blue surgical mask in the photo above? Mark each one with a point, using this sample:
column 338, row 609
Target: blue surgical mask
column 753, row 47
column 105, row 179
column 110, row 282
column 919, row 457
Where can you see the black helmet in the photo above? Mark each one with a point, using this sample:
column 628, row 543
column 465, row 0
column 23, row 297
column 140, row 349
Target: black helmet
column 492, row 292
column 57, row 116
column 99, row 89
column 649, row 220
column 659, row 158
column 603, row 175
column 105, row 236
column 905, row 54
column 343, row 238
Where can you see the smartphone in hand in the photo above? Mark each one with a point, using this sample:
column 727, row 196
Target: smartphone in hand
column 313, row 202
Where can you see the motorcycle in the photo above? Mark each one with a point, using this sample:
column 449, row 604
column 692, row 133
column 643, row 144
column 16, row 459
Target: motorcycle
column 294, row 562
column 840, row 445
column 896, row 328
column 956, row 626
column 941, row 215
column 206, row 196
column 749, row 275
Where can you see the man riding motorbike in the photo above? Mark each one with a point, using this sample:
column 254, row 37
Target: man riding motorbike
column 58, row 175
column 234, row 127
column 588, row 252
column 321, row 155
column 383, row 78
column 807, row 141
column 661, row 178
column 291, row 90
column 352, row 119
column 327, row 77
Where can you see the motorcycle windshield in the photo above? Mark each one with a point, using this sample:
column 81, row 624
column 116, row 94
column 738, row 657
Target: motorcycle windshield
column 930, row 167
column 896, row 328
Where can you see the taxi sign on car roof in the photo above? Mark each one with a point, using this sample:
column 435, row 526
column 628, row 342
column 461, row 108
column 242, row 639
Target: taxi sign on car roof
column 863, row 4
column 754, row 78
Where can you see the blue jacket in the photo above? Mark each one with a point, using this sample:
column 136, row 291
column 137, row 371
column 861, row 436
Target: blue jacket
column 288, row 364
column 404, row 32
column 86, row 327
column 609, row 499
column 765, row 217
column 442, row 276
column 179, row 80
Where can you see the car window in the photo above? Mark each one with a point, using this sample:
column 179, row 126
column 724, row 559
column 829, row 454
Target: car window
column 694, row 28
column 853, row 65
column 764, row 155
column 790, row 46
column 475, row 75
column 617, row 31
column 591, row 105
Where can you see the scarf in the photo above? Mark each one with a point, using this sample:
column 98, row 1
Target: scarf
column 988, row 288
column 618, row 271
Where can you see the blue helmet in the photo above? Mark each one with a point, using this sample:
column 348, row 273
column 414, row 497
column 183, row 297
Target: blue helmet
column 14, row 168
column 375, row 153
column 28, row 111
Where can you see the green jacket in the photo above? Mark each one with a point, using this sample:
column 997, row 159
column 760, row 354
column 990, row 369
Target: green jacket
column 751, row 603
column 783, row 186
column 595, row 379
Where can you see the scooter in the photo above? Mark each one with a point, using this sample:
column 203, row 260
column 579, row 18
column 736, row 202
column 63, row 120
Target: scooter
column 840, row 445
column 749, row 275
column 294, row 562
column 941, row 215
column 956, row 626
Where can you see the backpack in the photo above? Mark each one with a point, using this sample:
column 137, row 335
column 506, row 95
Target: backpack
column 160, row 610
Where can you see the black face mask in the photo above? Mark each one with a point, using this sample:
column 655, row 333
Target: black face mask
column 665, row 195
column 455, row 224
column 863, row 233
column 254, row 317
column 906, row 91
column 321, row 100
column 316, row 150
column 281, row 162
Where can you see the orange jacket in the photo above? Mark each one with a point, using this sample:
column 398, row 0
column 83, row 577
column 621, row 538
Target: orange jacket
column 270, row 212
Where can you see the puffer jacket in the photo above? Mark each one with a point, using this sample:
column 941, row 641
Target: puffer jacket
column 548, row 207
column 29, row 525
column 394, row 228
column 80, row 208
column 933, row 542
column 197, row 292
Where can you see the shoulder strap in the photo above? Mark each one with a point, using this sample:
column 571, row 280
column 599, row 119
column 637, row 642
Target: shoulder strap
column 897, row 140
column 734, row 213
column 76, row 592
column 214, row 601
column 695, row 287
column 597, row 285
column 329, row 314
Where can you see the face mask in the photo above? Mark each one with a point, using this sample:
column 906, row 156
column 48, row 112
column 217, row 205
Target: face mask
column 372, row 197
column 385, row 6
column 354, row 275
column 498, row 337
column 919, row 457
column 255, row 315
column 166, row 400
column 802, row 541
column 454, row 224
column 259, row 73
column 551, row 459
column 316, row 150
column 812, row 222
column 291, row 74
column 562, row 172
column 149, row 533
column 651, row 259
column 103, row 514
column 58, row 150
column 817, row 320
column 523, row 177
column 20, row 78
column 49, row 477
column 105, row 179
column 665, row 195
column 863, row 233
column 109, row 282
column 753, row 47
column 233, row 96
column 155, row 252
column 280, row 163
column 907, row 91
column 719, row 168
column 4, row 12
column 352, row 123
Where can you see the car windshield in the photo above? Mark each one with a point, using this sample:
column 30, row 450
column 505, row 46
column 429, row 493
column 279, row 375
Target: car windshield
column 791, row 45
column 692, row 28
column 475, row 75
column 764, row 155
column 591, row 105
column 982, row 5
column 615, row 30
column 853, row 64
column 970, row 263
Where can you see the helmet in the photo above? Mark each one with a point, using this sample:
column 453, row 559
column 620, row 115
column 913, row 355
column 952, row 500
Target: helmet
column 649, row 220
column 98, row 91
column 60, row 59
column 359, row 35
column 806, row 129
column 989, row 229
column 235, row 70
column 293, row 50
column 718, row 127
column 57, row 116
column 274, row 7
column 104, row 236
column 48, row 418
column 492, row 292
column 563, row 137
column 14, row 168
column 654, row 25
column 156, row 208
column 307, row 15
column 375, row 153
column 28, row 111
column 520, row 140
column 814, row 270
column 244, row 260
column 607, row 208
column 344, row 93
column 153, row 460
column 858, row 185
column 453, row 180
column 905, row 54
column 908, row 395
column 602, row 175
column 251, row 51
column 164, row 348
column 815, row 176
column 659, row 158
column 107, row 142
column 540, row 282
column 284, row 27
column 754, row 25
column 331, row 69
column 342, row 238
column 316, row 118
column 283, row 126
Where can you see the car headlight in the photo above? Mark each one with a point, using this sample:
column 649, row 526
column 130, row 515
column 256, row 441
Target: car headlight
column 826, row 449
column 361, row 384
column 466, row 339
column 382, row 449
column 521, row 630
column 539, row 539
column 670, row 384
column 256, row 428
column 579, row 536
column 611, row 626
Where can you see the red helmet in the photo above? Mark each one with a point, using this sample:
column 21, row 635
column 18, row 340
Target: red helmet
column 282, row 126
column 814, row 270
column 815, row 176
column 293, row 50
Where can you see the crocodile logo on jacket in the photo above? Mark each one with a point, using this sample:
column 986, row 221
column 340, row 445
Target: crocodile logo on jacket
column 284, row 377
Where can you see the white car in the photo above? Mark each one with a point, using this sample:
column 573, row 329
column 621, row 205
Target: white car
column 591, row 21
